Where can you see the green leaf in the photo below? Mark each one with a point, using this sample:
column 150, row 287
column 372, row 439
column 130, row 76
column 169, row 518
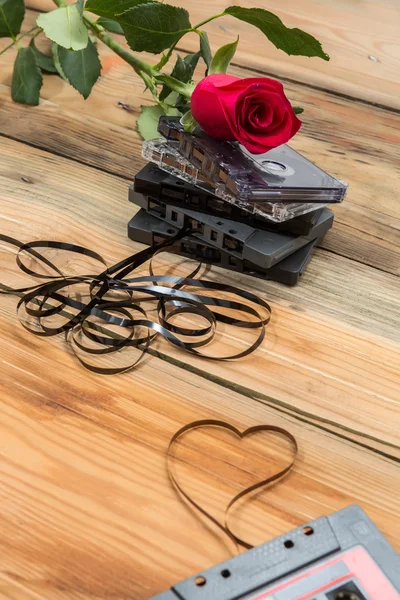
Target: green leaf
column 111, row 8
column 205, row 49
column 222, row 58
column 291, row 41
column 27, row 78
column 65, row 27
column 188, row 122
column 175, row 100
column 297, row 110
column 44, row 61
column 183, row 71
column 153, row 27
column 80, row 6
column 147, row 122
column 191, row 60
column 81, row 68
column 57, row 64
column 110, row 25
column 12, row 14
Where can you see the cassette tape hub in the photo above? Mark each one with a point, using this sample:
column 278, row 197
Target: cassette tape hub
column 146, row 229
column 280, row 175
column 157, row 184
column 341, row 557
column 263, row 248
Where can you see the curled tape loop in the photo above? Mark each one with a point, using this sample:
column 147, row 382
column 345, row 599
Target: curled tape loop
column 224, row 526
column 57, row 295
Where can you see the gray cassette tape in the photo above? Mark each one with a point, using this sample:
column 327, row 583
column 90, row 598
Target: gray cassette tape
column 244, row 242
column 340, row 557
column 146, row 229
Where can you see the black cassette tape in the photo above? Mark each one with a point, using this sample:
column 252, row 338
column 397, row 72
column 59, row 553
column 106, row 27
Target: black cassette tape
column 280, row 175
column 146, row 229
column 242, row 241
column 159, row 185
column 341, row 557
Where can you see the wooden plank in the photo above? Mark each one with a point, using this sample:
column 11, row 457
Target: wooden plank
column 355, row 142
column 87, row 509
column 362, row 40
column 331, row 349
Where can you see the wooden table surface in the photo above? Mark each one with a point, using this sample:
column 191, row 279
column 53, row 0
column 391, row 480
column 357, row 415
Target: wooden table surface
column 86, row 509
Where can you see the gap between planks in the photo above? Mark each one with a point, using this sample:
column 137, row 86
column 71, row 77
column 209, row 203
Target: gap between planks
column 321, row 245
column 283, row 408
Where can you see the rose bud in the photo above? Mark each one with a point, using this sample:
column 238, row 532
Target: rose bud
column 253, row 111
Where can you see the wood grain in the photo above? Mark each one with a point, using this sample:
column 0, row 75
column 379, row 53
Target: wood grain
column 84, row 479
column 355, row 142
column 86, row 508
column 331, row 347
column 361, row 38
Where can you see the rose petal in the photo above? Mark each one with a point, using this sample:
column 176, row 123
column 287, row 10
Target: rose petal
column 208, row 112
column 254, row 111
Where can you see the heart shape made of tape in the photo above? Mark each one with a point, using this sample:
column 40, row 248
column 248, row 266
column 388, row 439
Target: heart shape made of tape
column 224, row 526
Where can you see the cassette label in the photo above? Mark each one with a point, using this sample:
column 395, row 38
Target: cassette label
column 352, row 573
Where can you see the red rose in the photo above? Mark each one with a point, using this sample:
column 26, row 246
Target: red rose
column 253, row 111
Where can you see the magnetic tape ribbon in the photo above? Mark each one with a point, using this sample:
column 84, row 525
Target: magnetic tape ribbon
column 168, row 290
column 277, row 476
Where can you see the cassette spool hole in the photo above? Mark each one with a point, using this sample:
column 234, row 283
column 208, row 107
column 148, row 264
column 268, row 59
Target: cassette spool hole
column 226, row 573
column 200, row 581
column 308, row 530
column 273, row 165
column 347, row 591
column 288, row 544
column 347, row 596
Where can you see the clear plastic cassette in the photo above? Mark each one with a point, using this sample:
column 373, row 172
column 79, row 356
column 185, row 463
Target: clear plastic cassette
column 280, row 175
column 166, row 155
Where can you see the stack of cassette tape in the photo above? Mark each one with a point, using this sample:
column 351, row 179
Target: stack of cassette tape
column 261, row 215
